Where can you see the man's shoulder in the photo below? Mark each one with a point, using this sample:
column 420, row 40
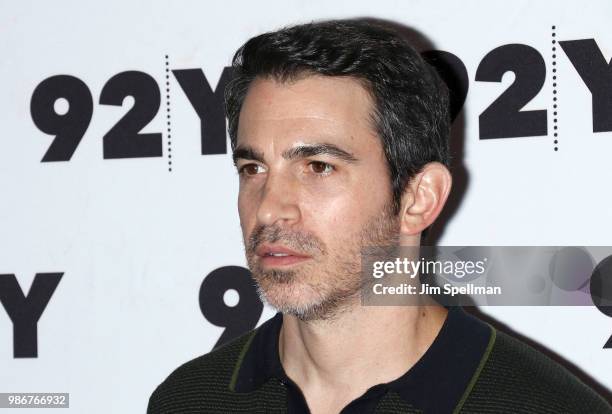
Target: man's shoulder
column 514, row 374
column 193, row 381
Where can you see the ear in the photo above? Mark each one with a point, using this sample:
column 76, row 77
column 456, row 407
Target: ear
column 424, row 198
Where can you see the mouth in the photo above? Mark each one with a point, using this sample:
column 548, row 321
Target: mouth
column 274, row 255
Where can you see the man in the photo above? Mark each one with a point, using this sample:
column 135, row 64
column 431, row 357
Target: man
column 340, row 137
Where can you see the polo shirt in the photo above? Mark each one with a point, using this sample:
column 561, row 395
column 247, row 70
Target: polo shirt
column 445, row 370
column 470, row 368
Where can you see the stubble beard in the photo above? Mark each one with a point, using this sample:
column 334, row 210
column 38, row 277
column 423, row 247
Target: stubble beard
column 330, row 283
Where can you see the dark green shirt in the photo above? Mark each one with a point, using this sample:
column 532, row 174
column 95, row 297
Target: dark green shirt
column 469, row 368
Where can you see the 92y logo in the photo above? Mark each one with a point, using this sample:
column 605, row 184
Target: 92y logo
column 124, row 140
column 503, row 118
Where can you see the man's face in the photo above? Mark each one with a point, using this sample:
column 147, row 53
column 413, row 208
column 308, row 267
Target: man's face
column 314, row 189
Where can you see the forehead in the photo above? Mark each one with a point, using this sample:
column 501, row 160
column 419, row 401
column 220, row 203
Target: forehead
column 310, row 108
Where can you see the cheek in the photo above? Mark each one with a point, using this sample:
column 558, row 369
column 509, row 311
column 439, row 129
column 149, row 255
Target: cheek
column 245, row 211
column 347, row 203
column 342, row 215
column 336, row 218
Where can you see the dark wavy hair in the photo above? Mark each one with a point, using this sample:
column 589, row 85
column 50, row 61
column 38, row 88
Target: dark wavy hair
column 411, row 102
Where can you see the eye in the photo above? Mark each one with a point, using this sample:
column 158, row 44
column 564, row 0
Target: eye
column 249, row 169
column 321, row 168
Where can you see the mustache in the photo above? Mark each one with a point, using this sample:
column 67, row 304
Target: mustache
column 300, row 242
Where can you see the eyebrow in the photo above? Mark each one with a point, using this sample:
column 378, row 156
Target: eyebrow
column 302, row 151
column 247, row 153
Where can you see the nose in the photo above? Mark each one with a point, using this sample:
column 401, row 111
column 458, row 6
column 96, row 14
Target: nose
column 278, row 201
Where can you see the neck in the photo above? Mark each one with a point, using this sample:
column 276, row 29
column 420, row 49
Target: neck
column 361, row 347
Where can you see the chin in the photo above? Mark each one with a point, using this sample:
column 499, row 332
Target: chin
column 294, row 298
column 306, row 302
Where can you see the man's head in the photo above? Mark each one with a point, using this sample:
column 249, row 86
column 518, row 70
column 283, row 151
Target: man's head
column 340, row 133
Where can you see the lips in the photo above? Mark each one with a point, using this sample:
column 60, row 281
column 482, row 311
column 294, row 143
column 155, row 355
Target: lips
column 278, row 255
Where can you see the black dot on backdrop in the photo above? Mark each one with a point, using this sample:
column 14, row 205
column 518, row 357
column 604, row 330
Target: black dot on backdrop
column 168, row 113
column 554, row 63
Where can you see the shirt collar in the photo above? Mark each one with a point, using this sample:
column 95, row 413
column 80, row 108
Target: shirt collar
column 260, row 359
column 436, row 383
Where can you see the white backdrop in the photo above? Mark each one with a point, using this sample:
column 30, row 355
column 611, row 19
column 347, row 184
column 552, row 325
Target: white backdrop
column 135, row 241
